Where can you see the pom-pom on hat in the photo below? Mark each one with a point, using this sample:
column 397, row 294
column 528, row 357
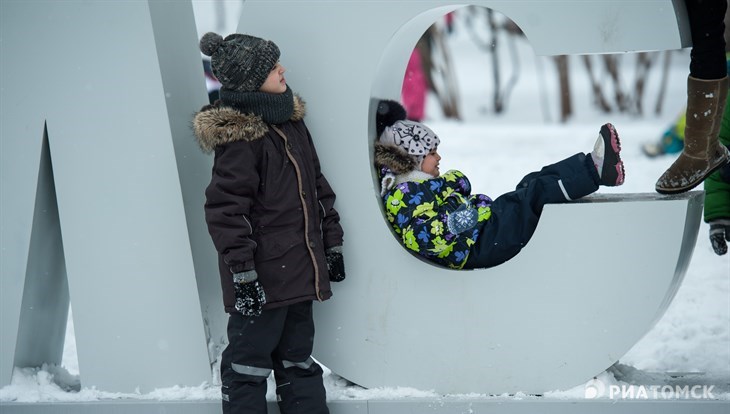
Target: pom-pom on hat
column 415, row 138
column 240, row 62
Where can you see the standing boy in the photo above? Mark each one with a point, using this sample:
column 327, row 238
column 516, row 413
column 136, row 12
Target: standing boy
column 270, row 213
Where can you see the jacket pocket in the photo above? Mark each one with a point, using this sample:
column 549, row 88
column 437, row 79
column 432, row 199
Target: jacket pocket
column 284, row 267
column 273, row 246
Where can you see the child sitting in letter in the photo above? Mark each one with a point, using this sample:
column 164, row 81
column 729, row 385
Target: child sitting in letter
column 436, row 215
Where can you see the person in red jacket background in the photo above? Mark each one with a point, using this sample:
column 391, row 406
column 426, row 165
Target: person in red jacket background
column 415, row 88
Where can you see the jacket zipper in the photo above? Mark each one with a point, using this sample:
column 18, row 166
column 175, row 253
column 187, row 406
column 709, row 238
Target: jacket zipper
column 304, row 207
column 321, row 219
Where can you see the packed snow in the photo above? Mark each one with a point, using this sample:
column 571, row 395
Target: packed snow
column 690, row 344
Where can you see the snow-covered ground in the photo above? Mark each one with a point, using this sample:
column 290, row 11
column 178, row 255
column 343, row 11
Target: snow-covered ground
column 690, row 345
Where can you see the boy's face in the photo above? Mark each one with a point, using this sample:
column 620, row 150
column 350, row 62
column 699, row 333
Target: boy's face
column 430, row 164
column 275, row 82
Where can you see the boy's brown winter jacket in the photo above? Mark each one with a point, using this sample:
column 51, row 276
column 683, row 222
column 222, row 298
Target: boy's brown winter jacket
column 268, row 206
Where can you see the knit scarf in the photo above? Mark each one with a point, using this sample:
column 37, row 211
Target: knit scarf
column 273, row 108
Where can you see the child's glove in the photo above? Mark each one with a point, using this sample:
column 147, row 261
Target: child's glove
column 250, row 297
column 719, row 235
column 335, row 264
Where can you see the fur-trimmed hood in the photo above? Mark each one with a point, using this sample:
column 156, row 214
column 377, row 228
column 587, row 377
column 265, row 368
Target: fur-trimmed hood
column 396, row 166
column 394, row 159
column 215, row 124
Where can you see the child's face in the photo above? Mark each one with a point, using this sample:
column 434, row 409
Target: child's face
column 275, row 82
column 430, row 164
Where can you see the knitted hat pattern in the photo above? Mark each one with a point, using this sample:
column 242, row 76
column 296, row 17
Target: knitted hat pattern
column 413, row 137
column 240, row 62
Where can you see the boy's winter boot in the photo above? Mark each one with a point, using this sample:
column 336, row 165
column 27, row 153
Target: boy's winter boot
column 606, row 157
column 702, row 153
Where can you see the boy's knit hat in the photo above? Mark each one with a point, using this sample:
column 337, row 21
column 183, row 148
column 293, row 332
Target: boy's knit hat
column 240, row 62
column 415, row 138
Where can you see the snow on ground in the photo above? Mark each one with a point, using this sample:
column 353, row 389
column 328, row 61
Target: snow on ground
column 690, row 344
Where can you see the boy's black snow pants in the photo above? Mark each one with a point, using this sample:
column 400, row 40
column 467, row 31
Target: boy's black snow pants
column 281, row 340
column 515, row 214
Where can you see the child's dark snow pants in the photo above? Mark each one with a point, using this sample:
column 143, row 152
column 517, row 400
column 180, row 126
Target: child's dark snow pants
column 280, row 340
column 515, row 214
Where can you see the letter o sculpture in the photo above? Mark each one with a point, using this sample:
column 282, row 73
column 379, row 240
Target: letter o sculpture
column 564, row 309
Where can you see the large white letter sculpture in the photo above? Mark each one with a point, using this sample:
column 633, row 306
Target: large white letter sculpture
column 102, row 186
column 559, row 313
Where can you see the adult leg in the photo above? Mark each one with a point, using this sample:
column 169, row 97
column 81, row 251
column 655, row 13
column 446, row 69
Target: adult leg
column 299, row 387
column 707, row 87
column 246, row 361
column 707, row 27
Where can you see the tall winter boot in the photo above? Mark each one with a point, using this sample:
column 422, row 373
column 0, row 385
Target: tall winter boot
column 702, row 153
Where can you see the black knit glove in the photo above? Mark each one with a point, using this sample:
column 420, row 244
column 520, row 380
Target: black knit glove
column 335, row 264
column 719, row 235
column 250, row 297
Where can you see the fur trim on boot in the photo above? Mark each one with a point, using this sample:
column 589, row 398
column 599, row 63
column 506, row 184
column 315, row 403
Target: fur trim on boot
column 702, row 153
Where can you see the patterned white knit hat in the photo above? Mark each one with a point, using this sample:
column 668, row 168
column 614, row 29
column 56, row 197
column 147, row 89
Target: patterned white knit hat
column 413, row 137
